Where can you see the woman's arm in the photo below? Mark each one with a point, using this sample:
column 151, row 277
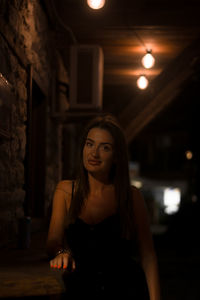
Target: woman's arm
column 55, row 239
column 145, row 244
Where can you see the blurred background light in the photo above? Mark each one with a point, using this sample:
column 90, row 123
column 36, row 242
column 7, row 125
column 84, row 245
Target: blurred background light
column 172, row 199
column 188, row 154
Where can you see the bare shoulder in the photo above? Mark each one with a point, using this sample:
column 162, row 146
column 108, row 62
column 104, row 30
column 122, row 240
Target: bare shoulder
column 65, row 186
column 137, row 196
column 135, row 191
column 139, row 203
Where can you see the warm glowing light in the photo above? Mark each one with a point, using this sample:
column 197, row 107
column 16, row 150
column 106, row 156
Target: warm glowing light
column 172, row 199
column 148, row 60
column 142, row 82
column 188, row 155
column 137, row 183
column 96, row 4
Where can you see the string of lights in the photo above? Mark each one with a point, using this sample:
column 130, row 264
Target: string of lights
column 148, row 61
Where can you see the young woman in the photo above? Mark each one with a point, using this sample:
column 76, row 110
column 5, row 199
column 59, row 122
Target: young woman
column 99, row 225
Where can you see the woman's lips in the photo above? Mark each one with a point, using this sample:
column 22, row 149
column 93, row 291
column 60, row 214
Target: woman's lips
column 94, row 162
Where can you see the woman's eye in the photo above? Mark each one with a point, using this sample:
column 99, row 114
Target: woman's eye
column 106, row 148
column 88, row 144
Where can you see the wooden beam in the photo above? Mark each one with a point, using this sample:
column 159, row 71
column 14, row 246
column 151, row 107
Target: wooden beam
column 121, row 13
column 162, row 91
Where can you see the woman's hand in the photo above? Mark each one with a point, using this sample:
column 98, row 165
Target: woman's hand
column 63, row 261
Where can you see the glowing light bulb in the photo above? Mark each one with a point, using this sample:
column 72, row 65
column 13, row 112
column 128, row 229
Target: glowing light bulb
column 148, row 60
column 96, row 4
column 142, row 82
column 189, row 154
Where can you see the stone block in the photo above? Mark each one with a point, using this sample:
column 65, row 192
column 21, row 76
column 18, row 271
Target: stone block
column 21, row 89
column 21, row 134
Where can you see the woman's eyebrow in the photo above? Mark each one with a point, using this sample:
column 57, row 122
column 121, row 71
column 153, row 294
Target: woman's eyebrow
column 88, row 139
column 107, row 143
column 91, row 140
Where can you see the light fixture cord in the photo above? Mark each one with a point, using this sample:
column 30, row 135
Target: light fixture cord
column 67, row 28
column 140, row 39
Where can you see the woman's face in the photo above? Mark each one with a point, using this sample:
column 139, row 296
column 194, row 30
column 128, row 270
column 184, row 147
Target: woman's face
column 98, row 151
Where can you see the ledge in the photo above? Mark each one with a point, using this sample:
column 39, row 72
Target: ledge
column 26, row 272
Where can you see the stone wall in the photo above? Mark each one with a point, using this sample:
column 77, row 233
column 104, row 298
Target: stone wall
column 24, row 40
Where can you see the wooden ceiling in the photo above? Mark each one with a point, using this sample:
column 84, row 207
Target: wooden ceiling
column 125, row 29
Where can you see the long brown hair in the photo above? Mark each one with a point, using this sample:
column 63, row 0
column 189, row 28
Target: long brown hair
column 119, row 173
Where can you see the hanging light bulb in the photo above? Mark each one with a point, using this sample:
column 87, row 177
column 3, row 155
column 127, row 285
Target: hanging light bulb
column 96, row 4
column 142, row 82
column 148, row 60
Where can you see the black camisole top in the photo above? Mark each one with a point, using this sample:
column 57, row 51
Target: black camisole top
column 105, row 262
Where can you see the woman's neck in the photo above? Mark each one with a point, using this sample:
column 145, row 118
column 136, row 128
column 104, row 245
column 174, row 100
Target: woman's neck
column 97, row 185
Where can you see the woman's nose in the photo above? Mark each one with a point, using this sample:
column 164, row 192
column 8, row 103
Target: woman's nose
column 95, row 152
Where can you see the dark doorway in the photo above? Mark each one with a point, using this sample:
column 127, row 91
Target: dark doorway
column 38, row 150
column 69, row 151
column 35, row 157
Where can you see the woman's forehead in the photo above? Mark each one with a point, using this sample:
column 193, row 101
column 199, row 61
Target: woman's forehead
column 99, row 134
